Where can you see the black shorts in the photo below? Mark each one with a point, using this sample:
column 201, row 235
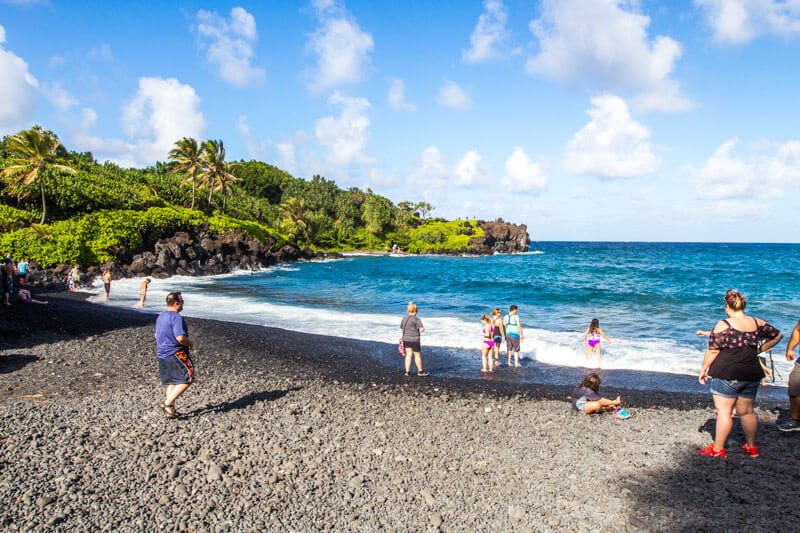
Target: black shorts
column 414, row 345
column 177, row 369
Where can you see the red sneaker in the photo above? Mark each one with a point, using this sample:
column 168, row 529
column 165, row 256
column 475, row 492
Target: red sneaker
column 711, row 452
column 752, row 451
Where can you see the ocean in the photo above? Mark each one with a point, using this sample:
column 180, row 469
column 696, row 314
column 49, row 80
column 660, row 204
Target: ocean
column 650, row 298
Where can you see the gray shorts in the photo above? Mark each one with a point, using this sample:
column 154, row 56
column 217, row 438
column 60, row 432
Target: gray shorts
column 512, row 343
column 794, row 381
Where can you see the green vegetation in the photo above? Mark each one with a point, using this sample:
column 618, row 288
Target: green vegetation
column 98, row 212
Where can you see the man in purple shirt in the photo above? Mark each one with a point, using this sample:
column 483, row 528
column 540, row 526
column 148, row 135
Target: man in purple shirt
column 172, row 350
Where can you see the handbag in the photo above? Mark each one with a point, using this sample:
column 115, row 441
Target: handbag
column 401, row 348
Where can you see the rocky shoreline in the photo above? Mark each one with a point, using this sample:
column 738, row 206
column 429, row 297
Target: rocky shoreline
column 293, row 432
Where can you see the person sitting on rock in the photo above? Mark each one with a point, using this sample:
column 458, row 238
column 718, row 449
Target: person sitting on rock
column 25, row 297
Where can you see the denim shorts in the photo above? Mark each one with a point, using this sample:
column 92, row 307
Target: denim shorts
column 733, row 388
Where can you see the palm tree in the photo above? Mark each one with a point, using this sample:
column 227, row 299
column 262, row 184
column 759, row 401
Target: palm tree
column 187, row 157
column 294, row 209
column 215, row 170
column 32, row 153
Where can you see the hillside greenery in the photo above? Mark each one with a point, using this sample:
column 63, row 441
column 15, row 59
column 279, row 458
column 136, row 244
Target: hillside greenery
column 60, row 206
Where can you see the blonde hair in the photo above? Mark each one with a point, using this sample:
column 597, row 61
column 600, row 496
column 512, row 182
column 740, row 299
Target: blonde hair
column 412, row 308
column 735, row 300
column 497, row 312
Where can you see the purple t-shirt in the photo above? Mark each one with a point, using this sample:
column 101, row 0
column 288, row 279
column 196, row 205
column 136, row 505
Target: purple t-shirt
column 581, row 392
column 169, row 325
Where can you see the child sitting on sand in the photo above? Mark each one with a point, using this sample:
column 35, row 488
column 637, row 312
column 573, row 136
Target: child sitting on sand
column 586, row 398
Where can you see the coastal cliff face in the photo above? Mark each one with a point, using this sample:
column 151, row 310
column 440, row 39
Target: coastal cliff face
column 202, row 253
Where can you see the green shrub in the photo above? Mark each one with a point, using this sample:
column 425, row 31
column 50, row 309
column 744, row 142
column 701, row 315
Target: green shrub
column 441, row 235
column 12, row 218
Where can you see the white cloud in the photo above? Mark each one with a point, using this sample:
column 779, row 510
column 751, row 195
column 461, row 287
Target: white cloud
column 602, row 45
column 159, row 114
column 230, row 45
column 256, row 150
column 58, row 96
column 612, row 145
column 453, row 96
column 522, row 174
column 764, row 172
column 470, row 170
column 101, row 52
column 17, row 91
column 431, row 171
column 343, row 48
column 740, row 21
column 489, row 33
column 397, row 96
column 287, row 159
column 346, row 136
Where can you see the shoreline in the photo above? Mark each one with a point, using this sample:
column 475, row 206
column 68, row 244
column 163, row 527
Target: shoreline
column 289, row 431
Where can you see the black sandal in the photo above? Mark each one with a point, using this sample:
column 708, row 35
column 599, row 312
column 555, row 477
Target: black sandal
column 169, row 411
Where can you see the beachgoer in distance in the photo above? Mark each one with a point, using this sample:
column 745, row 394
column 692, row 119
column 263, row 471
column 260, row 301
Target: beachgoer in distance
column 73, row 278
column 586, row 398
column 143, row 291
column 487, row 345
column 22, row 269
column 499, row 334
column 793, row 424
column 412, row 326
column 107, row 282
column 514, row 334
column 7, row 274
column 25, row 297
column 732, row 361
column 175, row 365
column 592, row 339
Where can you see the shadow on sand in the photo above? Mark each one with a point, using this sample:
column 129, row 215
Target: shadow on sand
column 243, row 402
column 712, row 494
column 12, row 363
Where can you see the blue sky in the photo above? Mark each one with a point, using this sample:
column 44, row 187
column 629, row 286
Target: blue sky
column 623, row 120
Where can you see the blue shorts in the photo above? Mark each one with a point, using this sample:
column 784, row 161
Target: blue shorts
column 580, row 404
column 733, row 388
column 177, row 369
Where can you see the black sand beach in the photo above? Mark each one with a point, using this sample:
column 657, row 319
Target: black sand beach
column 291, row 432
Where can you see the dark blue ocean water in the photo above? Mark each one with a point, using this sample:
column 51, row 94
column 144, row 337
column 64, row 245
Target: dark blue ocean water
column 650, row 299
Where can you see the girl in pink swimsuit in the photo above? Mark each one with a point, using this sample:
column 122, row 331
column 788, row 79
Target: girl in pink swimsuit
column 487, row 348
column 592, row 337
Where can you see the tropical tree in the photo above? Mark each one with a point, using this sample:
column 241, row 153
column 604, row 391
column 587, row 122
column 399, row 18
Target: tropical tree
column 32, row 155
column 294, row 209
column 187, row 158
column 215, row 170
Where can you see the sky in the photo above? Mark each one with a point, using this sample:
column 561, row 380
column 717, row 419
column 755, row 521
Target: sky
column 588, row 120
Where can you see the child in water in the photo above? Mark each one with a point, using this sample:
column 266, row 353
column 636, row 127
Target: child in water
column 586, row 397
column 592, row 339
column 487, row 346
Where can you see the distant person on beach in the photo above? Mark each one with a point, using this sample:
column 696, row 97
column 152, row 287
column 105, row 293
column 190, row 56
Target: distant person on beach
column 25, row 297
column 143, row 291
column 412, row 326
column 7, row 272
column 22, row 269
column 514, row 334
column 586, row 398
column 487, row 345
column 793, row 424
column 107, row 282
column 499, row 334
column 732, row 361
column 73, row 277
column 172, row 350
column 592, row 337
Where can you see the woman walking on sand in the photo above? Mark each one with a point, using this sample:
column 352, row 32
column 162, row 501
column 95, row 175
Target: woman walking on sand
column 732, row 361
column 412, row 327
column 592, row 339
column 487, row 346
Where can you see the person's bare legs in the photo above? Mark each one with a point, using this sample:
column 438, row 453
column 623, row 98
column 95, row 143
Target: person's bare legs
column 794, row 405
column 409, row 356
column 496, row 350
column 724, row 407
column 418, row 362
column 748, row 418
column 486, row 358
column 601, row 405
column 173, row 392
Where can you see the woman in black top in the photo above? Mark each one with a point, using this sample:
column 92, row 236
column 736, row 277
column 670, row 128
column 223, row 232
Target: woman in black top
column 731, row 360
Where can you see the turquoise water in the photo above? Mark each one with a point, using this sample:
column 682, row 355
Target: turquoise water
column 650, row 299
